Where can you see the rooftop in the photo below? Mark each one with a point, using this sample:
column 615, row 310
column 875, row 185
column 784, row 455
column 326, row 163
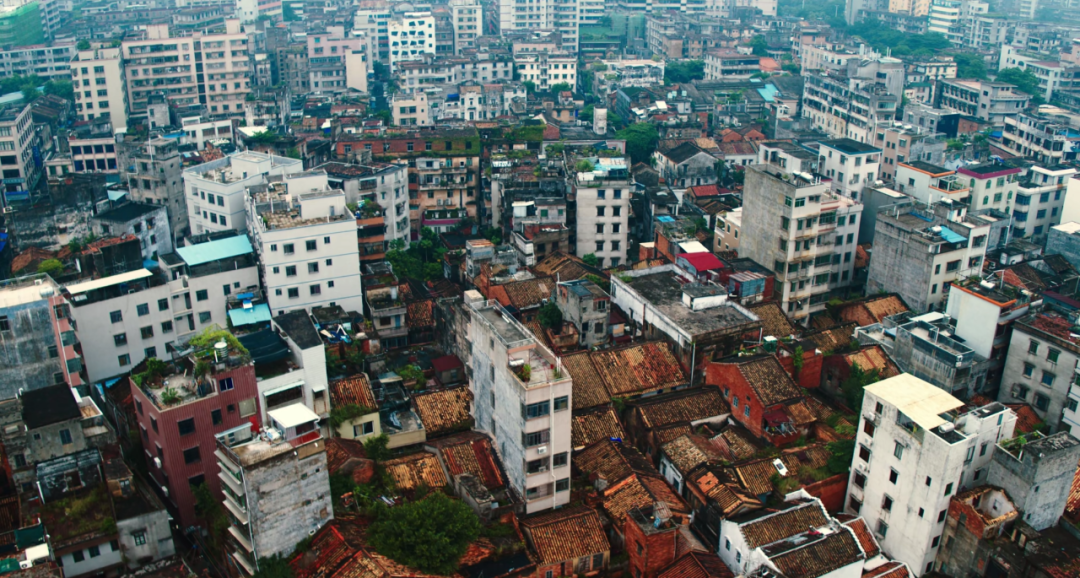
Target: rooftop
column 49, row 405
column 663, row 290
column 850, row 146
column 128, row 212
column 920, row 401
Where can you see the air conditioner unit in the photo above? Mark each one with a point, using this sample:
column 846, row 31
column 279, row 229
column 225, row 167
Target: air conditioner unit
column 542, row 450
column 157, row 463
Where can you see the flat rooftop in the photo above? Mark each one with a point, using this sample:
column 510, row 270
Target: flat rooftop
column 919, row 400
column 663, row 291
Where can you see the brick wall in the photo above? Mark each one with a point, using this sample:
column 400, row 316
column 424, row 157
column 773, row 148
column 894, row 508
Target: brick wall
column 649, row 553
column 729, row 379
column 830, row 491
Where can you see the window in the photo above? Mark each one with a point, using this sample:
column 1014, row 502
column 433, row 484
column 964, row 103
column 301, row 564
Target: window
column 191, row 455
column 116, row 317
column 886, row 503
column 147, row 332
column 948, row 489
column 225, row 384
column 201, row 295
column 893, row 476
column 1042, row 402
column 864, row 453
column 535, row 410
column 166, row 327
column 860, row 480
column 1052, row 354
column 312, row 267
column 5, row 323
column 78, row 556
column 941, row 514
column 311, row 245
column 186, row 427
column 163, row 304
column 120, row 339
column 1033, row 346
column 288, row 249
column 142, row 309
column 215, row 416
column 898, row 450
column 1048, row 378
column 562, row 403
column 65, row 437
column 855, row 504
column 1029, row 369
column 562, row 485
column 204, row 317
column 290, row 270
column 559, row 460
column 537, row 438
column 868, row 428
column 294, row 293
column 882, row 528
column 150, row 352
column 929, row 480
column 536, row 466
column 139, row 537
column 124, row 360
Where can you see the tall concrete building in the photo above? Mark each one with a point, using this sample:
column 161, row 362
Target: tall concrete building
column 559, row 15
column 1037, row 474
column 913, row 453
column 18, row 140
column 411, row 36
column 603, row 208
column 217, row 191
column 805, row 233
column 1039, row 368
column 97, row 77
column 468, row 22
column 337, row 61
column 37, row 337
column 154, row 175
column 522, row 397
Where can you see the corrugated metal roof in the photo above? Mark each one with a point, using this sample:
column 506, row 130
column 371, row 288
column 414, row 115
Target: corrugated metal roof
column 258, row 313
column 215, row 250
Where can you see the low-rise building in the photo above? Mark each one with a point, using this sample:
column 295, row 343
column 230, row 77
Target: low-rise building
column 147, row 223
column 585, row 304
column 1038, row 370
column 1040, row 198
column 990, row 101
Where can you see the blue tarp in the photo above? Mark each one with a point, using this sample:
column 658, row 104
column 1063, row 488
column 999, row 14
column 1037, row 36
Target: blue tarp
column 951, row 236
column 149, row 264
column 258, row 313
column 768, row 92
column 215, row 250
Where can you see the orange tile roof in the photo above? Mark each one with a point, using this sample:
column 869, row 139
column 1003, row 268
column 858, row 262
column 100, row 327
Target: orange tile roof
column 443, row 411
column 687, row 452
column 419, row 469
column 873, row 357
column 889, row 570
column 527, row 294
column 640, row 491
column 354, row 390
column 420, row 314
column 772, row 384
column 471, row 453
column 639, row 369
column 782, row 525
column 685, row 406
column 566, row 535
column 738, row 443
column 1027, row 420
column 832, row 338
column 1072, row 504
column 592, row 426
column 340, row 450
column 866, row 538
column 697, row 565
column 611, row 461
column 588, row 385
column 774, row 322
column 821, row 557
column 756, row 476
column 566, row 267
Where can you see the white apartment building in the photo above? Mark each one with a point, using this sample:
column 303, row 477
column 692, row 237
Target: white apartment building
column 522, row 397
column 590, row 12
column 444, row 74
column 1040, row 367
column 913, row 454
column 603, row 203
column 307, row 382
column 559, row 15
column 992, row 185
column 375, row 24
column 853, row 106
column 1051, row 73
column 47, row 62
column 411, row 35
column 1040, row 198
column 216, row 192
column 97, row 76
column 468, row 19
column 337, row 62
column 384, row 184
column 852, row 165
column 161, row 63
column 306, row 239
column 17, row 141
column 144, row 313
column 546, row 69
column 410, row 109
column 801, row 230
column 1047, row 136
column 991, row 101
column 944, row 17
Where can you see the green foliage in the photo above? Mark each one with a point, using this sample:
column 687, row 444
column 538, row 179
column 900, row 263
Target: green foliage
column 759, row 46
column 16, row 83
column 530, row 86
column 883, row 38
column 845, row 430
column 555, row 149
column 641, row 139
column 170, row 396
column 201, row 368
column 494, row 234
column 342, row 414
column 550, row 316
column 840, row 454
column 156, row 367
column 791, row 67
column 412, row 373
column 600, row 282
column 970, row 65
column 386, row 116
column 211, row 335
column 591, row 260
column 50, row 266
column 684, row 71
column 560, row 87
column 1025, row 81
column 525, row 373
column 61, row 88
column 497, row 530
column 210, row 511
column 83, row 45
column 430, row 535
column 293, row 153
column 797, row 359
column 422, row 261
column 375, row 448
column 852, row 387
column 264, row 137
column 30, row 93
column 584, row 166
column 288, row 14
column 276, row 566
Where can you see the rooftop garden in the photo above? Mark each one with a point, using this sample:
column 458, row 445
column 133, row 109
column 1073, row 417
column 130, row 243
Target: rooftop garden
column 82, row 514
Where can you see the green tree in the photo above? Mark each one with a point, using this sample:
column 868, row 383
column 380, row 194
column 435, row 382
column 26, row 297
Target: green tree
column 584, row 166
column 376, row 448
column 684, row 71
column 274, row 567
column 293, row 153
column 1025, row 81
column 430, row 535
column 840, row 454
column 560, row 87
column 530, row 86
column 550, row 316
column 759, row 46
column 641, row 139
column 288, row 13
column 61, row 88
column 50, row 266
column 264, row 137
column 83, row 45
column 30, row 93
column 386, row 116
column 591, row 260
column 969, row 65
column 853, row 386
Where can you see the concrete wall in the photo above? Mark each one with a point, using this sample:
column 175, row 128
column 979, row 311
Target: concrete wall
column 1040, row 479
column 587, row 219
column 158, row 538
column 1019, row 388
column 976, row 320
column 1062, row 243
column 107, row 557
column 25, row 362
column 288, row 497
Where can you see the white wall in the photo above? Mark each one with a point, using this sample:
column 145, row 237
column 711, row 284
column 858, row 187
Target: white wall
column 976, row 320
column 107, row 557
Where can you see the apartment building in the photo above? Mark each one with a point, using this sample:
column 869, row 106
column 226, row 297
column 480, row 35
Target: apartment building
column 990, row 101
column 336, row 62
column 914, row 452
column 1039, row 369
column 677, row 36
column 1040, row 198
column 918, row 253
column 468, row 23
column 154, row 175
column 146, row 314
column 730, row 65
column 1047, row 139
column 852, row 165
column 209, row 69
column 37, row 349
column 447, row 73
column 928, row 183
column 845, row 106
column 807, row 234
column 48, row 62
column 522, row 397
column 558, row 15
column 411, row 35
column 306, row 239
column 217, row 192
column 21, row 23
column 275, row 485
column 992, row 185
column 385, row 185
column 147, row 224
column 902, row 144
column 411, row 109
column 603, row 208
column 18, row 140
column 1052, row 74
column 374, row 22
column 546, row 69
column 97, row 77
column 944, row 18
column 306, row 382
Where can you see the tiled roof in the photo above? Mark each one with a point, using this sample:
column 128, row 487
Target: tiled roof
column 782, row 525
column 774, row 322
column 769, row 381
column 445, row 410
column 1072, row 504
column 865, row 537
column 832, row 338
column 588, row 427
column 686, row 406
column 697, row 565
column 530, row 293
column 353, row 390
column 687, row 452
column 728, row 496
column 471, row 453
column 756, row 476
column 889, row 570
column 669, row 433
column 419, row 469
column 611, row 461
column 639, row 491
column 420, row 314
column 340, row 450
column 329, row 555
column 819, row 558
column 738, row 442
column 565, row 535
column 873, row 357
column 871, row 309
column 639, row 369
column 567, row 267
column 588, row 385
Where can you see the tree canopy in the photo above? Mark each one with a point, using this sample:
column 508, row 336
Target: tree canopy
column 641, row 139
column 1025, row 81
column 759, row 46
column 50, row 266
column 430, row 535
column 422, row 261
column 852, row 387
column 883, row 38
column 969, row 65
column 560, row 87
column 684, row 71
column 591, row 260
column 550, row 316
